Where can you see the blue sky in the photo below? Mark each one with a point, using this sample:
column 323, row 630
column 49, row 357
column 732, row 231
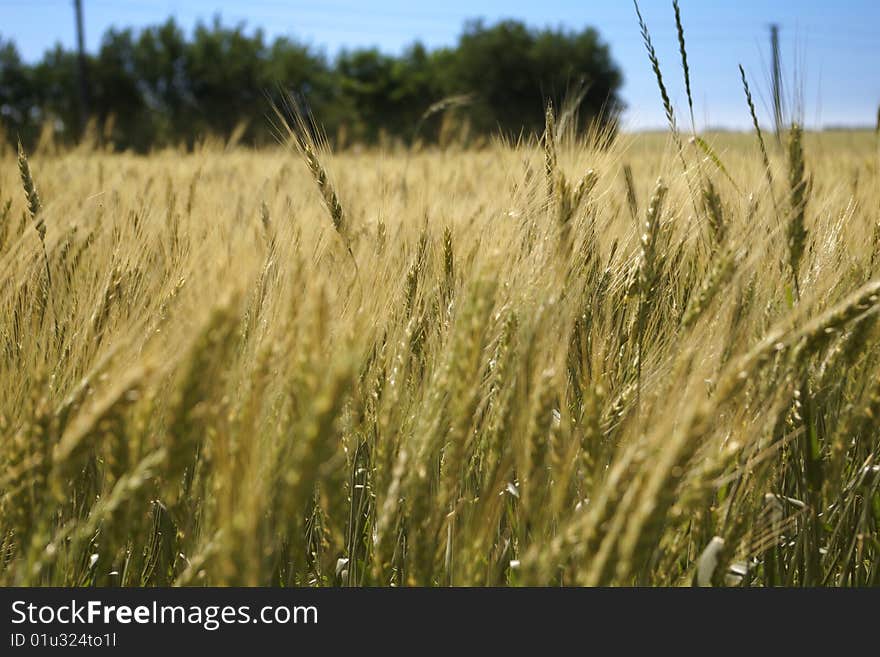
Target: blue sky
column 832, row 47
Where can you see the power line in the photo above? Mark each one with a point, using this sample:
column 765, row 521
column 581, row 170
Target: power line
column 83, row 71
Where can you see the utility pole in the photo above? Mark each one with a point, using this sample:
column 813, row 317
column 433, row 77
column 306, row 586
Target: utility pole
column 83, row 73
column 777, row 80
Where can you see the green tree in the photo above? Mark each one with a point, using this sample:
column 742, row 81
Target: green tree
column 160, row 69
column 117, row 94
column 55, row 85
column 161, row 87
column 17, row 94
column 513, row 71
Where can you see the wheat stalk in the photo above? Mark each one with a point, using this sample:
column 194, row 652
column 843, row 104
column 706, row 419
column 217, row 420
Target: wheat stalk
column 799, row 193
column 684, row 62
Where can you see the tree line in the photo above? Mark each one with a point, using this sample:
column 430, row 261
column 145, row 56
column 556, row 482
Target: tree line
column 159, row 86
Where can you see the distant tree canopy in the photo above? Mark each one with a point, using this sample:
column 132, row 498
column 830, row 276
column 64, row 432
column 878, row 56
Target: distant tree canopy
column 158, row 87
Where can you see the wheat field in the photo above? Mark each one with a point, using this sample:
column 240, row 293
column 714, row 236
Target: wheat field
column 646, row 360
